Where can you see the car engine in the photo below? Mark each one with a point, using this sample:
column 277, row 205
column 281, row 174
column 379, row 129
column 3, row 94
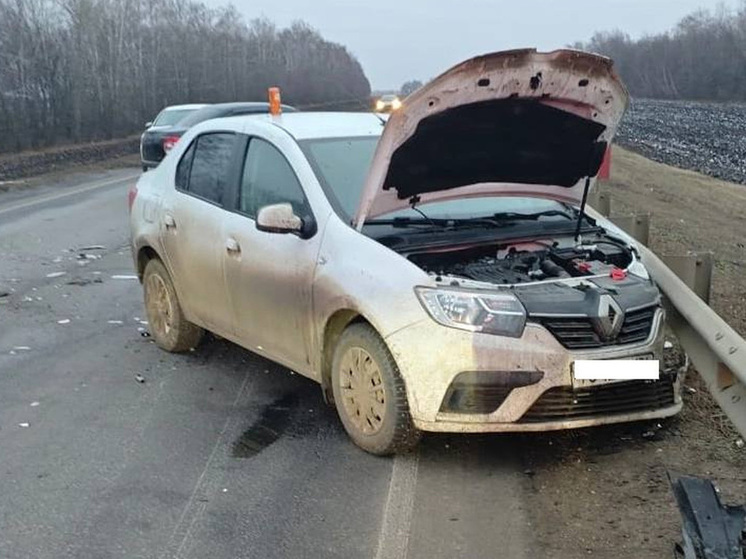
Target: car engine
column 514, row 263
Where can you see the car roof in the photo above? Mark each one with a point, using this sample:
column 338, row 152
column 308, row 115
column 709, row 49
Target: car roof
column 187, row 106
column 306, row 126
column 221, row 110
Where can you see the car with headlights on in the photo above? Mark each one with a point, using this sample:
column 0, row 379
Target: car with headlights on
column 433, row 271
column 388, row 103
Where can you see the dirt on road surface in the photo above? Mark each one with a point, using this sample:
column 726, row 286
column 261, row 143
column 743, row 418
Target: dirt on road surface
column 605, row 492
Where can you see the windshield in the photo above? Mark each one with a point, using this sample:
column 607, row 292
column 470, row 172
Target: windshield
column 342, row 164
column 171, row 117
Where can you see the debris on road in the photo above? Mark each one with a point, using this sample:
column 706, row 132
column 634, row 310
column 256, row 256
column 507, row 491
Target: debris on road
column 22, row 348
column 4, row 293
column 124, row 277
column 139, row 378
column 24, row 424
column 114, row 322
column 56, row 274
column 740, row 443
column 34, row 404
column 84, row 281
column 709, row 528
column 667, row 345
column 64, row 321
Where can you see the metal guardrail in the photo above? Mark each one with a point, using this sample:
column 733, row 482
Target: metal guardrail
column 717, row 352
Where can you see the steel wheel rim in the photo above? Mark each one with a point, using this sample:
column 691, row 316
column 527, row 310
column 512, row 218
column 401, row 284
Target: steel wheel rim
column 362, row 390
column 159, row 306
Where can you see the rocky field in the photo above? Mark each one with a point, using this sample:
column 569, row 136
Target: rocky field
column 706, row 137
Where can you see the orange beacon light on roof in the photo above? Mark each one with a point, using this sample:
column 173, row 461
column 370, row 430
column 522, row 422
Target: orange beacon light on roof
column 275, row 106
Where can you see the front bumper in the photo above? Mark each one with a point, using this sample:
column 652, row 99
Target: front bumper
column 431, row 357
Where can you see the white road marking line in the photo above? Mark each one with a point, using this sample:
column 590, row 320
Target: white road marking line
column 124, row 277
column 50, row 198
column 393, row 541
column 194, row 508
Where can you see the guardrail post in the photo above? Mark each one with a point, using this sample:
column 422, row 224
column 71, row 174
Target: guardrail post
column 638, row 226
column 695, row 270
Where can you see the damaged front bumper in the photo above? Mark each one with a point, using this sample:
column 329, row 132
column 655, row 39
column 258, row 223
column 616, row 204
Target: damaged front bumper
column 459, row 381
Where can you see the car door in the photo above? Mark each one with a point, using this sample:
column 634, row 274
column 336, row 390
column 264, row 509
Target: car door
column 192, row 228
column 269, row 275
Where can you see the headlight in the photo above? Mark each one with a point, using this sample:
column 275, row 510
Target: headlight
column 396, row 104
column 491, row 313
column 380, row 105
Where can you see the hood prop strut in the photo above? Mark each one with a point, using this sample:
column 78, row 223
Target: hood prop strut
column 581, row 213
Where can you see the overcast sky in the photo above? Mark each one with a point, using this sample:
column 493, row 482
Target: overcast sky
column 396, row 41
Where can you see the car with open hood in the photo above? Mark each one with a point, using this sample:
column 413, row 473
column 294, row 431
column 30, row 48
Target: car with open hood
column 433, row 271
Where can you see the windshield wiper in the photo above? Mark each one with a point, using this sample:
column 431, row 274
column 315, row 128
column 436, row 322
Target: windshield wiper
column 445, row 223
column 536, row 215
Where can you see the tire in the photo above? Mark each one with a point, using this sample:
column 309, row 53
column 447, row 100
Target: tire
column 379, row 422
column 170, row 330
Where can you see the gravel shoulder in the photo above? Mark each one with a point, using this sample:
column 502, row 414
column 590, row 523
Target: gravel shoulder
column 604, row 492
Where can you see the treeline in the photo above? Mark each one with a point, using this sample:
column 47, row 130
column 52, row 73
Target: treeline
column 703, row 58
column 79, row 70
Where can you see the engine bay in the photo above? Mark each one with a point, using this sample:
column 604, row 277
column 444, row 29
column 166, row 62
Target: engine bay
column 523, row 262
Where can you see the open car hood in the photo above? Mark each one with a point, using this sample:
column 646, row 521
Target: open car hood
column 513, row 123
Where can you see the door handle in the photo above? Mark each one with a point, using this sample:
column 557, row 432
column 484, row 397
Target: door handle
column 169, row 221
column 231, row 245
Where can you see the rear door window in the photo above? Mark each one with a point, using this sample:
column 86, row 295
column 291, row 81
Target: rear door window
column 210, row 167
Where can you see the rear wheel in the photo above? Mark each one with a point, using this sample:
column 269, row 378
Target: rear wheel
column 168, row 326
column 370, row 394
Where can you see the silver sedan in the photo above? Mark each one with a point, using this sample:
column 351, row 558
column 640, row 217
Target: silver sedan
column 434, row 272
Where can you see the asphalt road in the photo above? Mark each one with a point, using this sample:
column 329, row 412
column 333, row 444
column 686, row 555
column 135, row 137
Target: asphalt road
column 219, row 453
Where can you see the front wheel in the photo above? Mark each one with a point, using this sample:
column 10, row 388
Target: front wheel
column 369, row 393
column 170, row 329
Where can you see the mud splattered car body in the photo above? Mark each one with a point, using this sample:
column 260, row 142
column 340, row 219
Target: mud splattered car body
column 447, row 258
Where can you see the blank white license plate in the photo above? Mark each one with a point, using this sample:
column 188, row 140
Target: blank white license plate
column 593, row 372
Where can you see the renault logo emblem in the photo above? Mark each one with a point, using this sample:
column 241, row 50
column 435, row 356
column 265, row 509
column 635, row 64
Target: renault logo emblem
column 609, row 319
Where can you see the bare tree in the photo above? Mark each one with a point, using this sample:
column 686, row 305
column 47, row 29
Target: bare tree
column 80, row 70
column 410, row 87
column 703, row 57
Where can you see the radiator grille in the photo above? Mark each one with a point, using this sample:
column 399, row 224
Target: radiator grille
column 579, row 333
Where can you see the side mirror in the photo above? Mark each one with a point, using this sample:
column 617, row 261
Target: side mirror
column 278, row 218
column 149, row 124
